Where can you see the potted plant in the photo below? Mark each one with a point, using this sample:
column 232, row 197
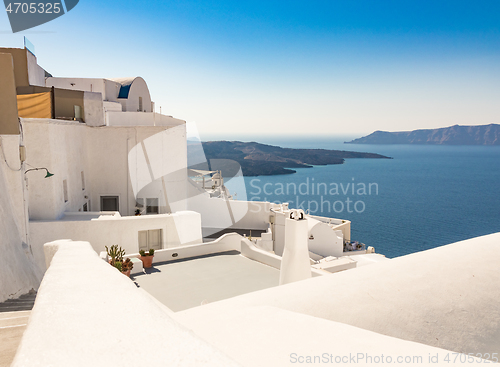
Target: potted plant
column 127, row 266
column 147, row 258
column 115, row 255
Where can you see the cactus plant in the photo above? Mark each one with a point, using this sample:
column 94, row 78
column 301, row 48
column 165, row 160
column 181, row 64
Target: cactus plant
column 115, row 253
column 124, row 266
column 118, row 265
column 127, row 265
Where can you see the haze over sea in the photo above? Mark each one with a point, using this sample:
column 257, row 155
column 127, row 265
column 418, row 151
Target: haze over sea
column 428, row 196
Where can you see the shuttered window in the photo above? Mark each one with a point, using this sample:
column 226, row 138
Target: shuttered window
column 150, row 239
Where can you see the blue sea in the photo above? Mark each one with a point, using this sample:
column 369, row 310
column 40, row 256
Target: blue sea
column 426, row 196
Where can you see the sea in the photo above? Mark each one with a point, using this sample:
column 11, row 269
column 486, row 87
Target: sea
column 424, row 197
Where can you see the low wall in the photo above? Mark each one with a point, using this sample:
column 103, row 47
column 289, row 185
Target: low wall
column 340, row 225
column 249, row 250
column 182, row 228
column 88, row 314
column 116, row 118
column 227, row 242
column 324, row 240
column 218, row 214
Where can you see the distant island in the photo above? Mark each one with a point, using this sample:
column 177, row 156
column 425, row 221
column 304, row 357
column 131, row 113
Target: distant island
column 453, row 135
column 264, row 160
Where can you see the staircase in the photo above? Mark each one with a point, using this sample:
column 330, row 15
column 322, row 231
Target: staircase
column 14, row 315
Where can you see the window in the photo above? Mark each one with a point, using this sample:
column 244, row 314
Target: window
column 65, row 190
column 150, row 239
column 152, row 206
column 140, row 104
column 147, row 206
column 83, row 181
column 78, row 113
column 109, row 203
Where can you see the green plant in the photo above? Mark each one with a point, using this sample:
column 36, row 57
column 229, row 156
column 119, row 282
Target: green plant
column 143, row 253
column 118, row 265
column 115, row 253
column 123, row 265
column 127, row 265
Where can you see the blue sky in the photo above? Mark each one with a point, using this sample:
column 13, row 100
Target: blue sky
column 294, row 67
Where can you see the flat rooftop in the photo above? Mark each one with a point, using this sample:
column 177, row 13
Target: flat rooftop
column 188, row 283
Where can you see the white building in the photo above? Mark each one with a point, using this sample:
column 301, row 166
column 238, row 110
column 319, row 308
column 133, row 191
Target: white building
column 80, row 157
column 95, row 124
column 109, row 152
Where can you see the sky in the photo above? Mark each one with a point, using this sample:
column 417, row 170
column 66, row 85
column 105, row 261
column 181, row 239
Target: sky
column 247, row 68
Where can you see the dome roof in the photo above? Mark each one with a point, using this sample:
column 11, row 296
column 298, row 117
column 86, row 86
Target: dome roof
column 126, row 84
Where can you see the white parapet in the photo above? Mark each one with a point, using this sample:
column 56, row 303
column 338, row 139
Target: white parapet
column 86, row 314
column 117, row 118
column 138, row 266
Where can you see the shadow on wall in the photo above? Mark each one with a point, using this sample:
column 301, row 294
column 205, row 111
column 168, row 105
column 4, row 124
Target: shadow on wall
column 18, row 272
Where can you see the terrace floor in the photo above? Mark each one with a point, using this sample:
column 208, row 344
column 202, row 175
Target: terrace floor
column 188, row 283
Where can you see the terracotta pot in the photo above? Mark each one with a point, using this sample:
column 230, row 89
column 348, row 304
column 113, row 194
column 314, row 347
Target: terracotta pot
column 127, row 273
column 147, row 261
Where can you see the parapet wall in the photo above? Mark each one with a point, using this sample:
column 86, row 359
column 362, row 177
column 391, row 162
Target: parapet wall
column 96, row 316
column 446, row 297
column 178, row 229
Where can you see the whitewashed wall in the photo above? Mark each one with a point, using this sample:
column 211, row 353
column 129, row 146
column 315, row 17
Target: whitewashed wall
column 119, row 118
column 61, row 148
column 108, row 88
column 68, row 148
column 113, row 170
column 94, row 315
column 18, row 273
column 14, row 181
column 217, row 213
column 183, row 228
column 139, row 88
column 324, row 240
column 340, row 225
column 93, row 109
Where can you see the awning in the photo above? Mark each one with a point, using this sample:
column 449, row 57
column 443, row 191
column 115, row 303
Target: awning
column 36, row 105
